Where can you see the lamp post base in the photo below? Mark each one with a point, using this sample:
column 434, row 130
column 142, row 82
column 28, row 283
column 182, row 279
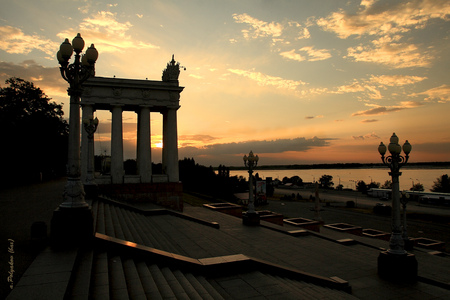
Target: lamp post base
column 71, row 227
column 91, row 190
column 250, row 219
column 399, row 268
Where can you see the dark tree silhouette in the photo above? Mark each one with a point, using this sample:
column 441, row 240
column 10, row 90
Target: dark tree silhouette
column 34, row 134
column 387, row 184
column 417, row 187
column 326, row 181
column 442, row 184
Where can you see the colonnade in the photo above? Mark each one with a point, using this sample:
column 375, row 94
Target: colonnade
column 143, row 147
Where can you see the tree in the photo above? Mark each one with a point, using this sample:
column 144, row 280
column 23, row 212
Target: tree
column 417, row 187
column 33, row 131
column 441, row 185
column 361, row 186
column 387, row 185
column 326, row 181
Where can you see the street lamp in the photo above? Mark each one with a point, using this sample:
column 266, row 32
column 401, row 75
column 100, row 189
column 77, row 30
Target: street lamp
column 74, row 210
column 251, row 217
column 90, row 125
column 75, row 74
column 396, row 263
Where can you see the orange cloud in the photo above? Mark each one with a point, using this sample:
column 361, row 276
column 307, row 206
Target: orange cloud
column 258, row 28
column 381, row 19
column 265, row 80
column 109, row 34
column 13, row 40
column 440, row 93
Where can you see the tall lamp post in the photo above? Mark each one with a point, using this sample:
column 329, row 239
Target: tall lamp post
column 251, row 217
column 396, row 263
column 73, row 218
column 90, row 125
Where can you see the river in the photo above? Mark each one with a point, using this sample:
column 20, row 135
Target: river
column 349, row 177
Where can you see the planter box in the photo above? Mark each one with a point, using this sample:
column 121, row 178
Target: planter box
column 348, row 228
column 376, row 234
column 271, row 217
column 304, row 223
column 429, row 244
column 226, row 208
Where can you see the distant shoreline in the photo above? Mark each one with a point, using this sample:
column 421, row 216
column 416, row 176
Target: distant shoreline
column 418, row 165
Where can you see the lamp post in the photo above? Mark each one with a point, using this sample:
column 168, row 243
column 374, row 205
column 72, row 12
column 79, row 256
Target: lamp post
column 90, row 125
column 396, row 263
column 73, row 208
column 251, row 217
column 408, row 243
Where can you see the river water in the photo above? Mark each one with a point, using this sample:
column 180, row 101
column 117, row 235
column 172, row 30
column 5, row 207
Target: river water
column 349, row 177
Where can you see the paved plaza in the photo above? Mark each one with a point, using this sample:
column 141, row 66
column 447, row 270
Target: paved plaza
column 321, row 255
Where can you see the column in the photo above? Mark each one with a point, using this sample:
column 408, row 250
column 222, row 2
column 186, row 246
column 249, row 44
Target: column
column 88, row 113
column 117, row 171
column 144, row 158
column 170, row 144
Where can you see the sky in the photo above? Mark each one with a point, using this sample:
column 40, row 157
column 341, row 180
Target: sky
column 296, row 82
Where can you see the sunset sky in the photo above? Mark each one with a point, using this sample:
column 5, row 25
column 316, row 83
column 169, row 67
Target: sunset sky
column 297, row 82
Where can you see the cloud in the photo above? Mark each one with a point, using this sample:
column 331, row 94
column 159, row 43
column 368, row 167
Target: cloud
column 369, row 121
column 109, row 34
column 47, row 79
column 188, row 140
column 385, row 17
column 311, row 54
column 267, row 80
column 396, row 80
column 369, row 136
column 13, row 40
column 388, row 22
column 258, row 28
column 371, row 87
column 292, row 55
column 380, row 110
column 395, row 55
column 440, row 93
column 313, row 117
column 274, row 146
column 316, row 54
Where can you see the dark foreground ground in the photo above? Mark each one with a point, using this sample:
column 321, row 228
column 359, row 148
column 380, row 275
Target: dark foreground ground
column 22, row 206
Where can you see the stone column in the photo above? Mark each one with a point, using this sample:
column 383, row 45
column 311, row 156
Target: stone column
column 144, row 158
column 88, row 113
column 170, row 144
column 117, row 170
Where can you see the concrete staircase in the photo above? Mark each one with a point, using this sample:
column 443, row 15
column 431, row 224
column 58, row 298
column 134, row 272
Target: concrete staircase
column 102, row 275
column 129, row 225
column 105, row 275
column 103, row 271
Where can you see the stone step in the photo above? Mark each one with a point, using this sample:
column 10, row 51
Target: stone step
column 99, row 284
column 79, row 288
column 211, row 291
column 133, row 281
column 99, row 218
column 164, row 288
column 117, row 282
column 109, row 226
column 117, row 223
column 191, row 285
column 147, row 281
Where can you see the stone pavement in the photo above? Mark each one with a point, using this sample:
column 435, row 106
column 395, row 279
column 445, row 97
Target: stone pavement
column 356, row 263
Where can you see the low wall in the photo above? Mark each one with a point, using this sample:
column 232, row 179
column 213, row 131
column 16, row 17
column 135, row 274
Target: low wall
column 166, row 194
